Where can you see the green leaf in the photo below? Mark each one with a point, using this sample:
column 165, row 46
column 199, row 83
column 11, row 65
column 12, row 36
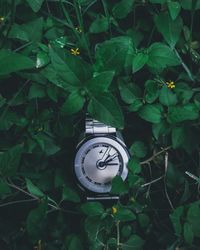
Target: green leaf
column 139, row 60
column 161, row 56
column 100, row 24
column 126, row 231
column 193, row 218
column 73, row 103
column 178, row 137
column 35, row 4
column 175, row 218
column 115, row 54
column 124, row 214
column 168, row 28
column 35, row 223
column 136, row 105
column 174, row 9
column 151, row 90
column 123, row 8
column 106, row 109
column 42, row 59
column 188, row 234
column 143, row 220
column 9, row 160
column 70, row 195
column 74, row 243
column 71, row 69
column 182, row 113
column 133, row 243
column 12, row 62
column 158, row 1
column 189, row 5
column 129, row 91
column 134, row 165
column 138, row 149
column 29, row 31
column 92, row 208
column 34, row 189
column 100, row 82
column 4, row 189
column 151, row 113
column 160, row 129
column 167, row 97
column 118, row 185
column 183, row 92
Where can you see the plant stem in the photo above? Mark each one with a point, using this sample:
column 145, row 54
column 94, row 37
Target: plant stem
column 118, row 235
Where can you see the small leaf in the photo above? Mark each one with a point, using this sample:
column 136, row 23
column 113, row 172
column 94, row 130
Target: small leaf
column 138, row 149
column 133, row 243
column 36, row 91
column 174, row 9
column 42, row 59
column 188, row 234
column 70, row 195
column 73, row 103
column 151, row 90
column 123, row 8
column 175, row 218
column 151, row 113
column 33, row 189
column 134, row 165
column 167, row 97
column 106, row 109
column 35, row 4
column 178, row 137
column 168, row 28
column 118, row 186
column 100, row 24
column 92, row 208
column 124, row 214
column 139, row 61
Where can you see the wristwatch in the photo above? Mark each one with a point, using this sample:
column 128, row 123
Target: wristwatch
column 100, row 156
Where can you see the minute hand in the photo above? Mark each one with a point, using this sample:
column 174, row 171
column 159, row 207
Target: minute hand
column 111, row 158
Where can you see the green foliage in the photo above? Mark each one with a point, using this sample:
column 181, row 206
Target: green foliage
column 131, row 64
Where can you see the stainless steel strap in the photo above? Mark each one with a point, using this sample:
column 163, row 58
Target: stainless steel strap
column 95, row 127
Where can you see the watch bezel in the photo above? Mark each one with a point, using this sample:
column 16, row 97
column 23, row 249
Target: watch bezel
column 87, row 142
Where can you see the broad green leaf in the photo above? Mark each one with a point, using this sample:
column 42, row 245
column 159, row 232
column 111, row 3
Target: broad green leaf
column 151, row 113
column 184, row 92
column 178, row 137
column 100, row 24
column 35, row 222
column 168, row 28
column 167, row 97
column 175, row 218
column 92, row 208
column 182, row 113
column 124, row 214
column 34, row 189
column 70, row 68
column 126, row 231
column 174, row 9
column 12, row 62
column 29, row 31
column 70, row 195
column 35, row 4
column 139, row 60
column 161, row 56
column 134, row 165
column 10, row 160
column 129, row 91
column 115, row 54
column 138, row 149
column 118, row 186
column 133, row 243
column 123, row 8
column 73, row 103
column 42, row 59
column 136, row 105
column 188, row 233
column 106, row 109
column 151, row 90
column 100, row 82
column 160, row 129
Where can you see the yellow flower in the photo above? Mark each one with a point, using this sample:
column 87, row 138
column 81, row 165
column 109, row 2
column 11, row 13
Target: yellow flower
column 2, row 19
column 75, row 52
column 170, row 84
column 114, row 210
column 78, row 29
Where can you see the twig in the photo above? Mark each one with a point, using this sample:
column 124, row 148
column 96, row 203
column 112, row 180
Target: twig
column 166, row 193
column 155, row 155
column 151, row 182
column 118, row 235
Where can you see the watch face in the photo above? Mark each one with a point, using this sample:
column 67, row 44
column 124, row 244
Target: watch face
column 98, row 161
